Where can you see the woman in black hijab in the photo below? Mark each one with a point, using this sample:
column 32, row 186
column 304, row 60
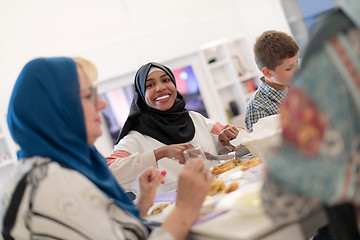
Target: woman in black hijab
column 159, row 127
column 167, row 120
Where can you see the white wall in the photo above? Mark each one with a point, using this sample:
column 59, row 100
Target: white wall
column 121, row 35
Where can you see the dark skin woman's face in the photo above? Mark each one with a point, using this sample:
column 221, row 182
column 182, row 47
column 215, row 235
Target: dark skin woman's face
column 160, row 91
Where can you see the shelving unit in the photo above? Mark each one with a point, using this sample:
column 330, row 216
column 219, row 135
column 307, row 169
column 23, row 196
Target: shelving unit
column 7, row 151
column 232, row 75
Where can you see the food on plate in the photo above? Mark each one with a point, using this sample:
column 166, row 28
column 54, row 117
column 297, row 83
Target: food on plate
column 217, row 186
column 224, row 167
column 251, row 163
column 232, row 187
column 158, row 209
column 208, row 199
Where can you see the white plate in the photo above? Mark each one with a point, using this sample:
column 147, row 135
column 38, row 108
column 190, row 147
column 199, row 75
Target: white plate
column 246, row 200
column 226, row 174
column 207, row 206
column 253, row 174
column 231, row 175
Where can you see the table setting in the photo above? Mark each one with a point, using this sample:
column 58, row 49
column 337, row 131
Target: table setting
column 245, row 198
column 233, row 208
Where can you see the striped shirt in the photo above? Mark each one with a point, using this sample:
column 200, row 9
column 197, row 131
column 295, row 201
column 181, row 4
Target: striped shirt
column 263, row 103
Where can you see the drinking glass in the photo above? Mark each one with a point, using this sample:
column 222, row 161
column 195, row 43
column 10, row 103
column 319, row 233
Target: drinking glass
column 195, row 152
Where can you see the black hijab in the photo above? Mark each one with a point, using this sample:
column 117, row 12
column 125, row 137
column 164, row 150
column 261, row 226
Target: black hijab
column 169, row 127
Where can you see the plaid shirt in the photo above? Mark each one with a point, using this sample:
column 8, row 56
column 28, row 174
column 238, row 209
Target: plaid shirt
column 263, row 103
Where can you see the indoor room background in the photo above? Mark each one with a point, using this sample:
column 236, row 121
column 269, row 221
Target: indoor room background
column 121, row 35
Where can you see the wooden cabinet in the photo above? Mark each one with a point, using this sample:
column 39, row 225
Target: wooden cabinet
column 232, row 75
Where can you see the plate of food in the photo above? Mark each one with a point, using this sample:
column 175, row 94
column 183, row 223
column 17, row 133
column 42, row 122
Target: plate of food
column 218, row 190
column 226, row 166
column 218, row 186
column 166, row 207
column 246, row 165
column 235, row 168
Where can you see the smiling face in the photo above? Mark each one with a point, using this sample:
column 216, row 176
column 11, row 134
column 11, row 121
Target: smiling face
column 160, row 91
column 92, row 104
column 280, row 77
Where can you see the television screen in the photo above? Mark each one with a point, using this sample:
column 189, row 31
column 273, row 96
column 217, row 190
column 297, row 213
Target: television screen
column 119, row 100
column 117, row 111
column 188, row 85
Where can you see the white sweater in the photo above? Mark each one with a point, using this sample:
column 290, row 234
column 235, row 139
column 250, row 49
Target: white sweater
column 54, row 202
column 140, row 147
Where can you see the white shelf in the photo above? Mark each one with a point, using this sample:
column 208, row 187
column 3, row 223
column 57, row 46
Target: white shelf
column 220, row 63
column 226, row 86
column 247, row 76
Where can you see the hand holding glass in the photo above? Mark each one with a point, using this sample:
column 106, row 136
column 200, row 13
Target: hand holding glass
column 195, row 152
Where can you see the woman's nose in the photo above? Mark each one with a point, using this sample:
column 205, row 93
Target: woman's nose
column 101, row 103
column 160, row 87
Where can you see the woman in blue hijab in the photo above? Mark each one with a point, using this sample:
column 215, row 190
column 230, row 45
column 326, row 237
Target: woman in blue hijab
column 62, row 188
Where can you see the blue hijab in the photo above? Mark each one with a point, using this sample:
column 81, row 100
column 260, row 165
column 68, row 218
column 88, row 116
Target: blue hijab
column 46, row 119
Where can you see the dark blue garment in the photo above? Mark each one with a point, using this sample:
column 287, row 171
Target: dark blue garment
column 323, row 234
column 46, row 119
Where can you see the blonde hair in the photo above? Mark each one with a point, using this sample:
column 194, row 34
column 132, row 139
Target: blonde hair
column 87, row 66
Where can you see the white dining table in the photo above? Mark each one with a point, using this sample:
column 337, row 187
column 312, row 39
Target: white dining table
column 233, row 224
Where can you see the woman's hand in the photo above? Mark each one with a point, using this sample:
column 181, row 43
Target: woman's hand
column 227, row 135
column 173, row 151
column 194, row 185
column 149, row 180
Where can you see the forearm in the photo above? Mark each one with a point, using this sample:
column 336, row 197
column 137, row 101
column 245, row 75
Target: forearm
column 215, row 130
column 143, row 206
column 159, row 153
column 179, row 222
column 160, row 234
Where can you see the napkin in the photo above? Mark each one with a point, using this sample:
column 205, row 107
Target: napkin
column 266, row 130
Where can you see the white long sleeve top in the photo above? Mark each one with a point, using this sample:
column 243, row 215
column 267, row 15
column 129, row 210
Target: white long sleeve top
column 135, row 152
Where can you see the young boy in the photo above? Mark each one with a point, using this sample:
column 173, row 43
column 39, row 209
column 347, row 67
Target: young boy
column 276, row 55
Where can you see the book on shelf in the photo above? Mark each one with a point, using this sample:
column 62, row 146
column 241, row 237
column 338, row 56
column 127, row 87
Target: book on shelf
column 228, row 115
column 250, row 85
column 234, row 108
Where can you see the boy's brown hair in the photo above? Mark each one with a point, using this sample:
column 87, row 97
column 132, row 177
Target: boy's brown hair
column 272, row 47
